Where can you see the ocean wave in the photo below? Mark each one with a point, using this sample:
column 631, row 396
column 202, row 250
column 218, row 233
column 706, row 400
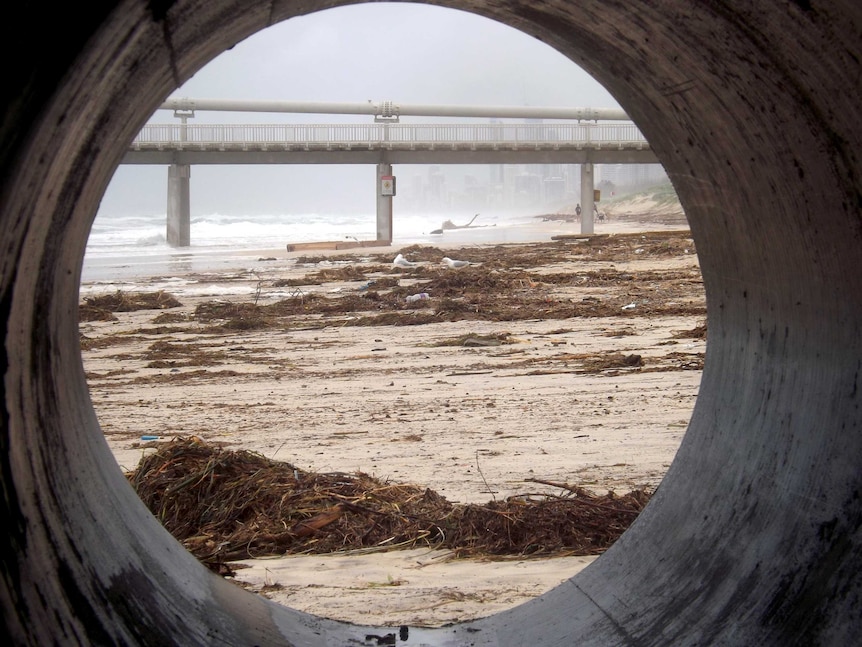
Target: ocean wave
column 151, row 241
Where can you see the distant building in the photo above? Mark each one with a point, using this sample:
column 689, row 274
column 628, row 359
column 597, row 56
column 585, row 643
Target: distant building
column 518, row 186
column 631, row 176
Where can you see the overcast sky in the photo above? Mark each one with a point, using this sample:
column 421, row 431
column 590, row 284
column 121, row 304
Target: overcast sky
column 406, row 53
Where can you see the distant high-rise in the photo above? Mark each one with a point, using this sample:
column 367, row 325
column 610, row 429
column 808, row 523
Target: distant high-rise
column 632, row 176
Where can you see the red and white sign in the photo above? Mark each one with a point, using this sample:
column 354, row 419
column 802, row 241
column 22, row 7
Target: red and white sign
column 387, row 185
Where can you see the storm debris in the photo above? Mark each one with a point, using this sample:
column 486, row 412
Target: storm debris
column 229, row 505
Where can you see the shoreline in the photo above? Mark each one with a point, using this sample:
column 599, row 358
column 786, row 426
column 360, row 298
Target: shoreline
column 126, row 268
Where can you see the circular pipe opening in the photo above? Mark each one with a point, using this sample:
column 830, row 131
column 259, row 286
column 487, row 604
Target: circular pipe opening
column 467, row 452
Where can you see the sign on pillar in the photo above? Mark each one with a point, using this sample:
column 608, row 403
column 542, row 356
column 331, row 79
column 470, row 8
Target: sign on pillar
column 387, row 185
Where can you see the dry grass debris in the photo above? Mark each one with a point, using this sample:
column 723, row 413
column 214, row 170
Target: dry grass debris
column 226, row 505
column 102, row 307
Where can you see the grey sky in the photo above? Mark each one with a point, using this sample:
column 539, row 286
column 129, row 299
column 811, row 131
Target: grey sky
column 406, row 53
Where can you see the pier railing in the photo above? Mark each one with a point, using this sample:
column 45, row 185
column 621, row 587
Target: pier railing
column 385, row 135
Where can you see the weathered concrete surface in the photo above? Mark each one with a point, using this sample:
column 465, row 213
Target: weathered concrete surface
column 754, row 536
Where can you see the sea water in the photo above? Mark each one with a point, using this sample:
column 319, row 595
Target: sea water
column 123, row 247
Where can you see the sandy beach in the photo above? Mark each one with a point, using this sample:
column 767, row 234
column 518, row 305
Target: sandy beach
column 570, row 361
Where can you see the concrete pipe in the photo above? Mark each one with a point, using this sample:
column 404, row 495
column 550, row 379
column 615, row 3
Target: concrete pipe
column 754, row 535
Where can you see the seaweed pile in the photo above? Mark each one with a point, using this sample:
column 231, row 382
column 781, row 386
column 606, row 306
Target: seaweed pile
column 229, row 505
column 103, row 307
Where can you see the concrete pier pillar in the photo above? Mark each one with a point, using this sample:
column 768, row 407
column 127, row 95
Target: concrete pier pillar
column 587, row 187
column 179, row 206
column 384, row 202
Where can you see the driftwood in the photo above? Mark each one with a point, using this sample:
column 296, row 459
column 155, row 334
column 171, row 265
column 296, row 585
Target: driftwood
column 450, row 225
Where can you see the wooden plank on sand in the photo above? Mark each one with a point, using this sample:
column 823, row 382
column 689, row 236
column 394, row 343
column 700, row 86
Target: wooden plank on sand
column 337, row 244
column 578, row 236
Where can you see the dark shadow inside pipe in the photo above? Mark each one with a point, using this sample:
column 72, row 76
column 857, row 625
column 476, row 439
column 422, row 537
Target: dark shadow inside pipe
column 754, row 536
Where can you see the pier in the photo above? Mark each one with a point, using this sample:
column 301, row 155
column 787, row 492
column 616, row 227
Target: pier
column 579, row 136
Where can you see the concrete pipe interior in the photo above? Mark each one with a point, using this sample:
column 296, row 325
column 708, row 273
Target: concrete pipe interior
column 754, row 535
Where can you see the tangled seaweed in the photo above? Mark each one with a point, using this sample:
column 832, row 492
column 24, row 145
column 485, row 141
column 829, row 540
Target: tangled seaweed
column 102, row 307
column 225, row 505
